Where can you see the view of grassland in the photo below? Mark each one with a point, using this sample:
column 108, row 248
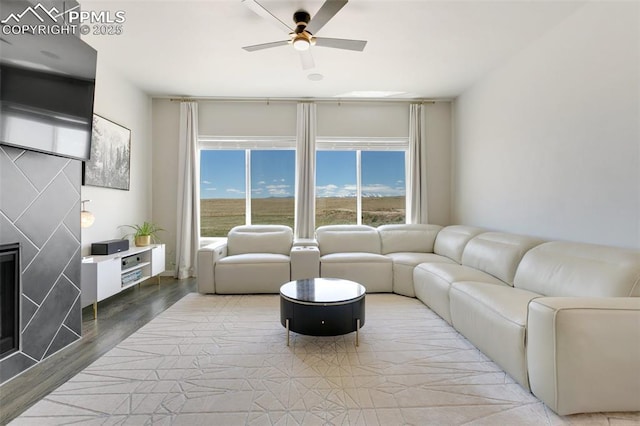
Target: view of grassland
column 218, row 216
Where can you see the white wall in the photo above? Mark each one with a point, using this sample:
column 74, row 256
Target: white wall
column 549, row 143
column 118, row 100
column 363, row 119
column 279, row 119
column 246, row 118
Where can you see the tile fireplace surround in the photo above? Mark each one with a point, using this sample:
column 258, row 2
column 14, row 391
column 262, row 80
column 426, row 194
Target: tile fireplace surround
column 40, row 209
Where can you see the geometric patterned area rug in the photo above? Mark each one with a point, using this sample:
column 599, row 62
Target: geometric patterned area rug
column 223, row 360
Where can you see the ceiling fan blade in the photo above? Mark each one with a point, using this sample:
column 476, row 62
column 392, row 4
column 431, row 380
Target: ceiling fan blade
column 326, row 12
column 306, row 58
column 262, row 11
column 341, row 43
column 265, row 45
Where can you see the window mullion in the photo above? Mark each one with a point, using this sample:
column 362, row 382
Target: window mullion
column 407, row 195
column 247, row 186
column 359, row 186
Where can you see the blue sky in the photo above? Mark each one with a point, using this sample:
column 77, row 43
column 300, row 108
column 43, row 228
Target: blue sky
column 273, row 173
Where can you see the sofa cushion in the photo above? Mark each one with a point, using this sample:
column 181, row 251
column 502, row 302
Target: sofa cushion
column 494, row 319
column 373, row 271
column 253, row 258
column 403, row 265
column 263, row 277
column 259, row 239
column 432, row 281
column 354, row 257
column 452, row 240
column 408, row 238
column 497, row 253
column 414, row 259
column 348, row 238
column 582, row 270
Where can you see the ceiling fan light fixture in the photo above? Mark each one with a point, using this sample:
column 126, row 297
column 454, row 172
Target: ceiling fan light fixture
column 301, row 43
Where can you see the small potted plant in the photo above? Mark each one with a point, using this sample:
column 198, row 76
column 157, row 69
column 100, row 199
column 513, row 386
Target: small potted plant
column 144, row 233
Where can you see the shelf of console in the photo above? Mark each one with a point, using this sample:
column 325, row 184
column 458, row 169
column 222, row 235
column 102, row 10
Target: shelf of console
column 106, row 275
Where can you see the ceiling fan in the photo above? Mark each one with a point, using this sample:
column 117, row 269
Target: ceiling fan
column 302, row 37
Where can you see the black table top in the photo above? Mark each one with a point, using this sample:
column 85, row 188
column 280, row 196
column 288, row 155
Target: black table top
column 322, row 290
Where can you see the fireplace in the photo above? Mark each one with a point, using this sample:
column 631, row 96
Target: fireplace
column 9, row 298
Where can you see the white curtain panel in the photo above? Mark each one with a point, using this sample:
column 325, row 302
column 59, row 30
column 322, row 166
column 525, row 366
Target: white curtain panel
column 417, row 170
column 188, row 226
column 305, row 217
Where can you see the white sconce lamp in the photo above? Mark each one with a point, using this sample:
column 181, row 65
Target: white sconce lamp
column 86, row 217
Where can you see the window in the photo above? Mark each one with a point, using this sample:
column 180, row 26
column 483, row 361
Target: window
column 272, row 187
column 222, row 191
column 336, row 184
column 360, row 187
column 383, row 187
column 358, row 181
column 245, row 186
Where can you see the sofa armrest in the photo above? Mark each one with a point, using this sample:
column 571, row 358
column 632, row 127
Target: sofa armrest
column 583, row 354
column 305, row 262
column 207, row 258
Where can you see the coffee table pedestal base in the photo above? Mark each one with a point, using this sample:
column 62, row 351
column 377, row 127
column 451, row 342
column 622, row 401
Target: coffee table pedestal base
column 316, row 319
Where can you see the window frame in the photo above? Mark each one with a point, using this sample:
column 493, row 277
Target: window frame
column 246, row 144
column 359, row 144
column 323, row 143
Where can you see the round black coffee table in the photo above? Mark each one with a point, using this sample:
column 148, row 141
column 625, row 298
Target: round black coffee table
column 322, row 307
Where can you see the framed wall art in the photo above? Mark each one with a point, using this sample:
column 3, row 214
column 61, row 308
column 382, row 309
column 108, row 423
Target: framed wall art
column 109, row 165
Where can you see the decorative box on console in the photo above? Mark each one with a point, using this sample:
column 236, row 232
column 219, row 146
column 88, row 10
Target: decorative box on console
column 109, row 247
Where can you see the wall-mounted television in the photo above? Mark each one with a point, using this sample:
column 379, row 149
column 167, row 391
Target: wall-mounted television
column 47, row 87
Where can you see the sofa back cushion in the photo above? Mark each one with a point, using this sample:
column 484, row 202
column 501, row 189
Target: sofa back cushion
column 402, row 238
column 497, row 253
column 348, row 239
column 575, row 269
column 451, row 240
column 276, row 239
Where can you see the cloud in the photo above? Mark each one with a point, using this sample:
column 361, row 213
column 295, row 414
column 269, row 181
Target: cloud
column 235, row 191
column 261, row 182
column 206, row 182
column 278, row 190
column 335, row 191
column 381, row 190
column 350, row 190
column 211, row 189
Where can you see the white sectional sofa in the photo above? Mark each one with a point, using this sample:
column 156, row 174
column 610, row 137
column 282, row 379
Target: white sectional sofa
column 563, row 319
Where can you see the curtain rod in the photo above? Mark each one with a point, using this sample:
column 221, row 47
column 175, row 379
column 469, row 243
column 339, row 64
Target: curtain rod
column 287, row 100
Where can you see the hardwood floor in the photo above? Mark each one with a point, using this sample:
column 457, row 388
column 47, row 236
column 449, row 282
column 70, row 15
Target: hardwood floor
column 118, row 317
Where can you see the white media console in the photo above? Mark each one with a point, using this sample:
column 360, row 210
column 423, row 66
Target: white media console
column 104, row 276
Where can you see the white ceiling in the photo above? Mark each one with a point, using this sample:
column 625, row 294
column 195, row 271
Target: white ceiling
column 429, row 49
